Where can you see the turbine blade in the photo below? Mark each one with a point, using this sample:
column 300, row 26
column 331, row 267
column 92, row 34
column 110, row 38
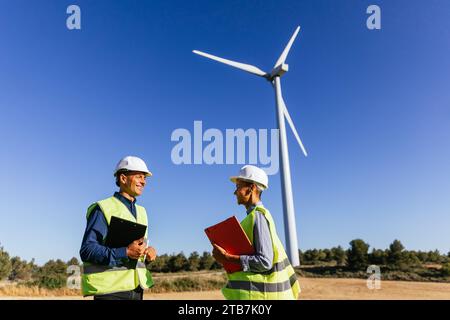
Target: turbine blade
column 291, row 124
column 242, row 66
column 284, row 55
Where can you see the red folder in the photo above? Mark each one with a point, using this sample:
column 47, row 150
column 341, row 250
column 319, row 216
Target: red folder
column 229, row 235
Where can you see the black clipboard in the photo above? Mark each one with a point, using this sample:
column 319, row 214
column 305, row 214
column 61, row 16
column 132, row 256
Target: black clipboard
column 122, row 232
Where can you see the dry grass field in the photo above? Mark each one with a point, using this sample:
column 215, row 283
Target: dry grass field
column 312, row 288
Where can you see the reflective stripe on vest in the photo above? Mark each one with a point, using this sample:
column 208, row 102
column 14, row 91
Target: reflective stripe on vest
column 262, row 286
column 279, row 266
column 95, row 268
column 100, row 279
column 280, row 282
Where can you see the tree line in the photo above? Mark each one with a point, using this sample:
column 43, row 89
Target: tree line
column 358, row 256
column 53, row 274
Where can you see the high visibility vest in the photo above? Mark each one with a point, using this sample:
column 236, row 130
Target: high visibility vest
column 100, row 279
column 279, row 283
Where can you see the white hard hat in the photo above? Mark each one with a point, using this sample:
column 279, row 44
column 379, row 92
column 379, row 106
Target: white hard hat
column 252, row 174
column 131, row 163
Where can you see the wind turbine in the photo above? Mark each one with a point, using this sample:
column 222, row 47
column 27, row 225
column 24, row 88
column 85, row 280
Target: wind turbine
column 273, row 77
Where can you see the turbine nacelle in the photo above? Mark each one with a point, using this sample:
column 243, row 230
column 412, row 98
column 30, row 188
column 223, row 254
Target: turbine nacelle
column 278, row 71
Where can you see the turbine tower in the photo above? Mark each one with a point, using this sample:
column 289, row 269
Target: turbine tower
column 273, row 77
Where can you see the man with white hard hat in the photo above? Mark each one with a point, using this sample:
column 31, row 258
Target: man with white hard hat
column 267, row 274
column 117, row 273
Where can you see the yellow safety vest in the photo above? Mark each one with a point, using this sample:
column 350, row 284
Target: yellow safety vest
column 100, row 279
column 279, row 283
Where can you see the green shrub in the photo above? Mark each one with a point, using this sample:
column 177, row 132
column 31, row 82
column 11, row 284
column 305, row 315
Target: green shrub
column 445, row 270
column 21, row 270
column 51, row 275
column 5, row 264
column 357, row 255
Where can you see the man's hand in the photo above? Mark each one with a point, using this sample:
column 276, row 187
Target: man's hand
column 136, row 249
column 219, row 254
column 150, row 253
column 222, row 256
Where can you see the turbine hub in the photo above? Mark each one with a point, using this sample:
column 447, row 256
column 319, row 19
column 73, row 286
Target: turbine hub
column 279, row 70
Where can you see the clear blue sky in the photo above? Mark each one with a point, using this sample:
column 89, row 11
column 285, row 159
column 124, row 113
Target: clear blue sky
column 372, row 107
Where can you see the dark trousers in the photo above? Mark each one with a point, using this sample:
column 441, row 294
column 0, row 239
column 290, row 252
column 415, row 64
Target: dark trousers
column 136, row 294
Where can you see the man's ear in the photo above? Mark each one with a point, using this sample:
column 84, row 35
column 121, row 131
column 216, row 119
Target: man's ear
column 123, row 178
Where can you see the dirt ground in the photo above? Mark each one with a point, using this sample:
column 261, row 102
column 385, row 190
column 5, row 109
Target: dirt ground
column 341, row 289
column 335, row 289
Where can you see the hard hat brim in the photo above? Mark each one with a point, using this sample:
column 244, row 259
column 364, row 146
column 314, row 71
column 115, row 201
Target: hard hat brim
column 147, row 173
column 234, row 179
